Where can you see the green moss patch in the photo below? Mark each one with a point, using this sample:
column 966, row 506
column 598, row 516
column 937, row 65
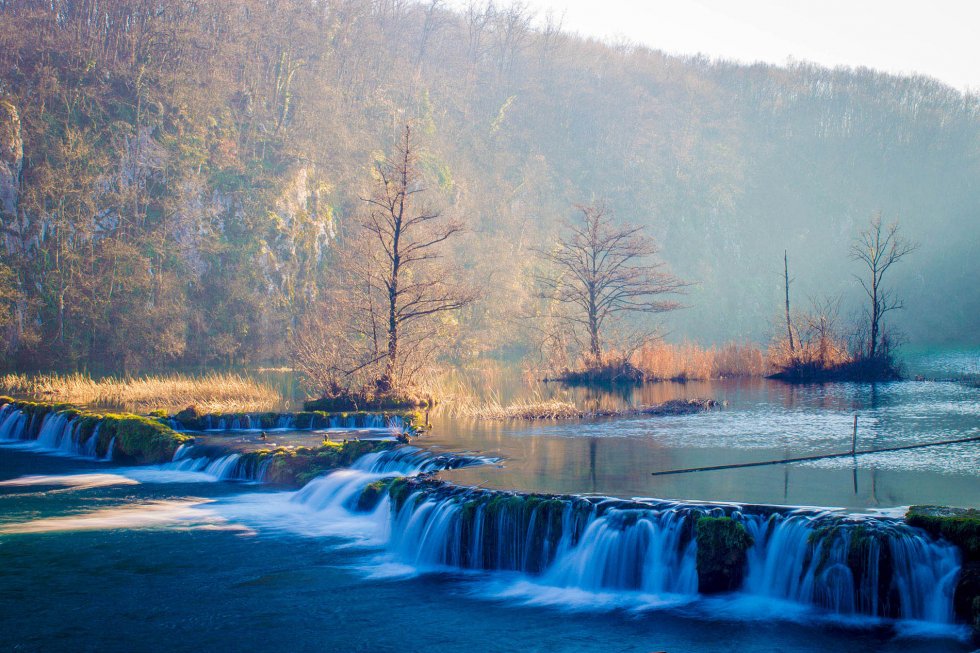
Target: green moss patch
column 721, row 557
column 372, row 494
column 138, row 440
column 297, row 467
column 960, row 526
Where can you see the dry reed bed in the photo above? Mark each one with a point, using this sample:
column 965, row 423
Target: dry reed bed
column 209, row 393
column 530, row 409
column 688, row 361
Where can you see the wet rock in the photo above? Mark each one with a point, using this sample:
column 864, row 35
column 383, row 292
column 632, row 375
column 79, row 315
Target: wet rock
column 722, row 546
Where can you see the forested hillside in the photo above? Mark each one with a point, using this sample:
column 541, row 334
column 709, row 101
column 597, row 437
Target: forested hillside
column 176, row 177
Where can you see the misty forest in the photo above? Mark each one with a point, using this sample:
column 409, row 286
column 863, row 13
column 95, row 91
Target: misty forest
column 455, row 308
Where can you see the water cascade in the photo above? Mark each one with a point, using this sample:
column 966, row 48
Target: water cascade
column 289, row 422
column 225, row 465
column 52, row 432
column 847, row 565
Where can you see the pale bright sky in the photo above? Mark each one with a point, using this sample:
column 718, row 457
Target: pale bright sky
column 938, row 38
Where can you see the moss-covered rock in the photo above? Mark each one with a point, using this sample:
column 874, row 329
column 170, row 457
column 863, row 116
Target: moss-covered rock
column 138, row 440
column 966, row 597
column 722, row 545
column 298, row 466
column 960, row 526
column 372, row 494
column 399, row 490
column 132, row 438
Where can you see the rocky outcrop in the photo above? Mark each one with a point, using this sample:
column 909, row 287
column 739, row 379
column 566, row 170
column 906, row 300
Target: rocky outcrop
column 11, row 157
column 722, row 547
column 960, row 526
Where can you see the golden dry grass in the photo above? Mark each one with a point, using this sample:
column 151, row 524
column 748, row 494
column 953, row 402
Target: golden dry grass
column 689, row 361
column 525, row 409
column 820, row 353
column 474, row 393
column 210, row 393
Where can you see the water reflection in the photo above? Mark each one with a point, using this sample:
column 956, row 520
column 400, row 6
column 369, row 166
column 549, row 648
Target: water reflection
column 760, row 420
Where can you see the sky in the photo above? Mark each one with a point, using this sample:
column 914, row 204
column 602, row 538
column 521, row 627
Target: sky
column 937, row 38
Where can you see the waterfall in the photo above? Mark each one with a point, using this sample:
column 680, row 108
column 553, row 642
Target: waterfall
column 854, row 566
column 850, row 566
column 59, row 433
column 563, row 543
column 289, row 422
column 647, row 551
column 12, row 423
column 218, row 464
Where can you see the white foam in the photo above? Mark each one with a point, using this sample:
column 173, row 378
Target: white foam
column 184, row 514
column 79, row 481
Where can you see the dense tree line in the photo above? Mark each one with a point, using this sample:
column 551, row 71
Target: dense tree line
column 178, row 178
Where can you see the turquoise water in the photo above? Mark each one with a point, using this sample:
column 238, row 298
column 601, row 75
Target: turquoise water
column 758, row 420
column 98, row 557
column 98, row 563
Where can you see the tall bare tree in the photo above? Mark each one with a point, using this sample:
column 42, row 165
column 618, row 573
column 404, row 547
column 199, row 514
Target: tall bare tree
column 601, row 270
column 789, row 322
column 879, row 247
column 409, row 273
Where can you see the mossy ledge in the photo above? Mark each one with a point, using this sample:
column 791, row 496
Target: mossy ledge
column 296, row 467
column 138, row 440
column 721, row 558
column 190, row 419
column 960, row 526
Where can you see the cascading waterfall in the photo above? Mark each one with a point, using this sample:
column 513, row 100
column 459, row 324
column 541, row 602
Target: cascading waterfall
column 219, row 464
column 225, row 465
column 293, row 422
column 343, row 488
column 874, row 566
column 567, row 543
column 650, row 551
column 878, row 567
column 57, row 433
column 12, row 423
column 869, row 566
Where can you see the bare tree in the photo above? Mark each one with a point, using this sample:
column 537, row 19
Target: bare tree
column 879, row 247
column 601, row 270
column 405, row 278
column 789, row 323
column 821, row 343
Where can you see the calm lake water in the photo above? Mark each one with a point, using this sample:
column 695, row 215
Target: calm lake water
column 98, row 557
column 757, row 420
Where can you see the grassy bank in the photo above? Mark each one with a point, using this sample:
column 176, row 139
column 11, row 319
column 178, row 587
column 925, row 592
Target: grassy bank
column 209, row 393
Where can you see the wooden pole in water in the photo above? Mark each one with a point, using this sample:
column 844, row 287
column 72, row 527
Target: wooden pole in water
column 854, row 436
column 783, row 461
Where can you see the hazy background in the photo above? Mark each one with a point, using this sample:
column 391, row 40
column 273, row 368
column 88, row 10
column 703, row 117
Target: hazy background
column 219, row 150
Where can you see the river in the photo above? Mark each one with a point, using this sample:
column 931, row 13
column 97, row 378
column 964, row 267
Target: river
column 108, row 558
